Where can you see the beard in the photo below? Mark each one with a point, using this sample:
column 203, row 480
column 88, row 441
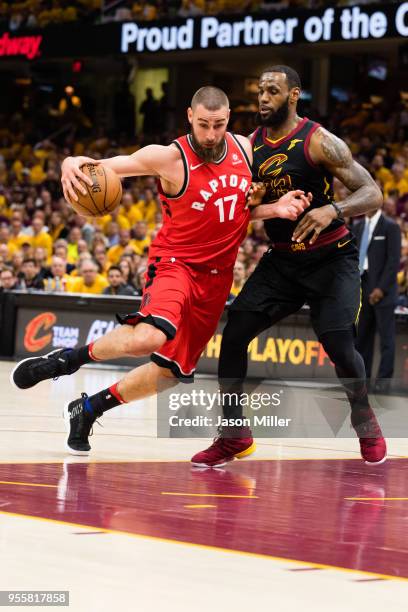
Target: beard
column 275, row 118
column 207, row 154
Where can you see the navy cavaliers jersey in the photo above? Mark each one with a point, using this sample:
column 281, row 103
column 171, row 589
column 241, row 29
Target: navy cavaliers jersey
column 284, row 165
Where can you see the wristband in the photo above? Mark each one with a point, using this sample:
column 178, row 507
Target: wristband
column 338, row 210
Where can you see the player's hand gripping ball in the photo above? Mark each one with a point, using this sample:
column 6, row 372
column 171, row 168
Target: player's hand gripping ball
column 102, row 187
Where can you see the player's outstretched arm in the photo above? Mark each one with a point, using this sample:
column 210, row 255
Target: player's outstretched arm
column 331, row 152
column 289, row 206
column 151, row 160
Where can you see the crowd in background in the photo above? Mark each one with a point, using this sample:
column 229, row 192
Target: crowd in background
column 44, row 245
column 41, row 13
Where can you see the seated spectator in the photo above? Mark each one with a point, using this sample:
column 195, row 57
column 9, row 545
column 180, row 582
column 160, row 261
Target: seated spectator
column 57, row 228
column 82, row 247
column 112, row 233
column 125, row 267
column 8, row 281
column 99, row 239
column 29, row 276
column 17, row 262
column 248, row 247
column 239, row 276
column 73, row 237
column 115, row 252
column 117, row 286
column 4, row 234
column 88, row 230
column 398, row 181
column 377, row 167
column 101, row 258
column 88, row 280
column 40, row 238
column 40, row 257
column 390, row 207
column 58, row 279
column 150, row 207
column 4, row 254
column 141, row 278
column 141, row 241
column 61, row 250
column 131, row 210
column 81, row 259
column 17, row 237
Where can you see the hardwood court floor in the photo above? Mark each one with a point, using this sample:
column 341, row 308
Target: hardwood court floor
column 304, row 523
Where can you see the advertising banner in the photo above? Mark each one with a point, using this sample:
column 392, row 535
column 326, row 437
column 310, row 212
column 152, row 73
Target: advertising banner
column 288, row 27
column 288, row 350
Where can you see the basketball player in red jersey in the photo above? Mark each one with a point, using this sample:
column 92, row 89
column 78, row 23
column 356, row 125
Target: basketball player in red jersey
column 313, row 260
column 204, row 182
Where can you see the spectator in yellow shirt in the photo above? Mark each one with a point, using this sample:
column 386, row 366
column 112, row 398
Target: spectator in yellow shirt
column 57, row 228
column 37, row 174
column 130, row 210
column 115, row 252
column 115, row 217
column 137, row 201
column 398, row 182
column 73, row 238
column 17, row 238
column 378, row 168
column 141, row 240
column 40, row 237
column 89, row 280
column 150, row 207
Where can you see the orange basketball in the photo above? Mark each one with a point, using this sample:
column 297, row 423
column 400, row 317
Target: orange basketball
column 104, row 195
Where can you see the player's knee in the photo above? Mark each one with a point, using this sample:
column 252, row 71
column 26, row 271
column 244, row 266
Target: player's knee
column 164, row 377
column 339, row 346
column 145, row 340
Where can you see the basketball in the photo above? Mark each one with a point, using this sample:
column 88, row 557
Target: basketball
column 104, row 195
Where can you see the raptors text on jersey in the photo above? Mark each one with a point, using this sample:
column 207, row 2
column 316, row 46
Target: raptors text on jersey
column 207, row 220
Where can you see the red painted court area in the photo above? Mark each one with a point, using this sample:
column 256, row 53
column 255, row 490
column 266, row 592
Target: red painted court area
column 333, row 512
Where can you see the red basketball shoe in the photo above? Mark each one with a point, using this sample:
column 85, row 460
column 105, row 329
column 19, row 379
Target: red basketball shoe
column 226, row 448
column 372, row 444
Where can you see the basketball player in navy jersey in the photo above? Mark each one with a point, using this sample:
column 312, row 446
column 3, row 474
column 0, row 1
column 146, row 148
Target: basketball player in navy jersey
column 205, row 177
column 313, row 260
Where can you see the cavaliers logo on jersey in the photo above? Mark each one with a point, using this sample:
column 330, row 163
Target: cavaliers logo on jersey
column 271, row 171
column 272, row 166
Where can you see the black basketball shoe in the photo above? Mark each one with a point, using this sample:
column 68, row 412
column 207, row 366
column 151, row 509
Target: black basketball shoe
column 33, row 370
column 78, row 422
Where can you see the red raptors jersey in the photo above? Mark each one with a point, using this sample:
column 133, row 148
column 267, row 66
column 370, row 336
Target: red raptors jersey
column 207, row 220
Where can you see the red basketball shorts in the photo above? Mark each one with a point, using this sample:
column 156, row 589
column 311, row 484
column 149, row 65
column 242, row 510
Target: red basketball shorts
column 186, row 303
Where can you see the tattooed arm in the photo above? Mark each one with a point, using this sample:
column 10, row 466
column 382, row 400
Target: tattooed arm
column 333, row 154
